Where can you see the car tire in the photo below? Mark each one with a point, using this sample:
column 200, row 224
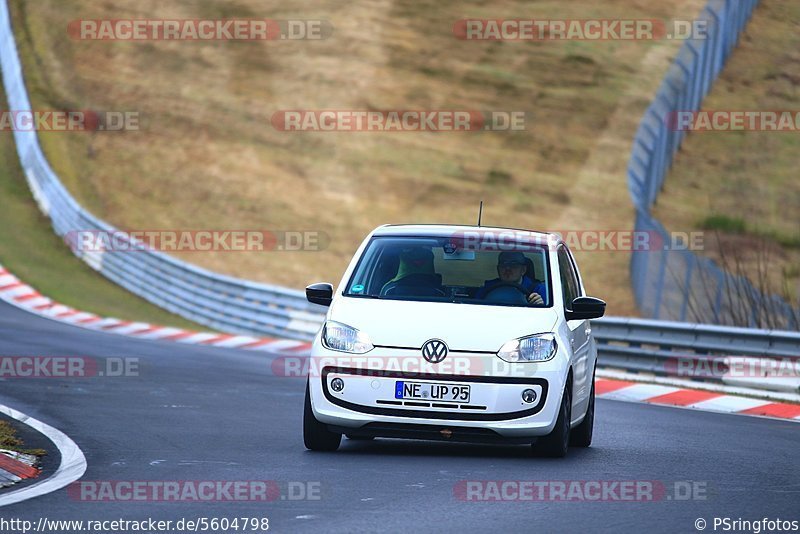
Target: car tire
column 316, row 435
column 581, row 435
column 556, row 443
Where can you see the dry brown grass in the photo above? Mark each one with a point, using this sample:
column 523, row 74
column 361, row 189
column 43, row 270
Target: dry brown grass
column 750, row 177
column 207, row 157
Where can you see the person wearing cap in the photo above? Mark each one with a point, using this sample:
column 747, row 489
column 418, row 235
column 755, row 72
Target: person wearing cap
column 511, row 267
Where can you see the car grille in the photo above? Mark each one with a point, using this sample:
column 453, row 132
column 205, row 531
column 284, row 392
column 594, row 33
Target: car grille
column 421, row 404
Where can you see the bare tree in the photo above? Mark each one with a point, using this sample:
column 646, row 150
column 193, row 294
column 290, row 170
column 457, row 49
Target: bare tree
column 751, row 293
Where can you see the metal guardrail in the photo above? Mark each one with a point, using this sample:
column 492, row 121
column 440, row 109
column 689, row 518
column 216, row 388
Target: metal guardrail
column 702, row 352
column 241, row 306
column 678, row 284
column 218, row 301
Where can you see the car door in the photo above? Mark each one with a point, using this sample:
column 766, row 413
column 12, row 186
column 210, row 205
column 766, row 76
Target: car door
column 578, row 331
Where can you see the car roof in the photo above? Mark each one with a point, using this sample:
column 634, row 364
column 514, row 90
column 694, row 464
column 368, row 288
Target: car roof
column 440, row 230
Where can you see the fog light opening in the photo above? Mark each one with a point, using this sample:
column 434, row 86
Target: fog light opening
column 529, row 396
column 337, row 384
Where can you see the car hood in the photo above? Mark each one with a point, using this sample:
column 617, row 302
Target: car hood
column 472, row 327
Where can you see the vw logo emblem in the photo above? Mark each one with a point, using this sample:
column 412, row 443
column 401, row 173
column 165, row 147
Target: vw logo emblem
column 434, row 350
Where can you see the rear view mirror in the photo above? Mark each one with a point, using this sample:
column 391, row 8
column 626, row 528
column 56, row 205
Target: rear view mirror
column 586, row 308
column 320, row 293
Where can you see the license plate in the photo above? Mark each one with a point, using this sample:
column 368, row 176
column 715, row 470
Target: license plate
column 426, row 391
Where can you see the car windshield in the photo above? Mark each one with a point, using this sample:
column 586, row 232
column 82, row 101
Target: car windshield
column 440, row 269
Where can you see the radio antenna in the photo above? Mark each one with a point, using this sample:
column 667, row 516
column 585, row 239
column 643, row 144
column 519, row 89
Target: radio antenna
column 480, row 213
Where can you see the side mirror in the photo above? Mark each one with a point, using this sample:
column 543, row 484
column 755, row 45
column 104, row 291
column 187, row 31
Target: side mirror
column 320, row 293
column 586, row 308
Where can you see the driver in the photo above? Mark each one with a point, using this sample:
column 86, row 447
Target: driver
column 511, row 266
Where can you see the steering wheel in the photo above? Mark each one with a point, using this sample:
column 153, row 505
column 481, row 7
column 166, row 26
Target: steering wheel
column 502, row 285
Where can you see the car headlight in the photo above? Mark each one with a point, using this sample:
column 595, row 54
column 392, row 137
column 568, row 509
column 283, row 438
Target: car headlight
column 338, row 336
column 536, row 348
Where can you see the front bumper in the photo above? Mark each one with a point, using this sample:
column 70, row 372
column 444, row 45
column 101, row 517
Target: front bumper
column 495, row 408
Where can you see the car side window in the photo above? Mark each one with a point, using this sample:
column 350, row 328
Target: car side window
column 569, row 282
column 575, row 275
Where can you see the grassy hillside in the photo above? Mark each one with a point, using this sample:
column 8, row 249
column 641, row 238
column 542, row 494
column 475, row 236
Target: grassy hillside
column 743, row 187
column 31, row 250
column 207, row 157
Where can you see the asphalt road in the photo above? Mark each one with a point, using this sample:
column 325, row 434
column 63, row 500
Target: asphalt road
column 202, row 413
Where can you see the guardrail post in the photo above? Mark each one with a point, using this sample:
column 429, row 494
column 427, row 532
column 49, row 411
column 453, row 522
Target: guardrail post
column 660, row 284
column 691, row 260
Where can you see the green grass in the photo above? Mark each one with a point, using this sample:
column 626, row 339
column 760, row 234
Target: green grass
column 30, row 249
column 10, row 441
column 738, row 226
column 787, row 241
column 724, row 223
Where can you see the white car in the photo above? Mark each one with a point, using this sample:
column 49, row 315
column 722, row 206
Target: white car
column 455, row 333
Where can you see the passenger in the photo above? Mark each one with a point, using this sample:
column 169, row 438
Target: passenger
column 415, row 275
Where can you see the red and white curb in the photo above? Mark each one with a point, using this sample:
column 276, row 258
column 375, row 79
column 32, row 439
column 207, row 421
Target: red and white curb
column 21, row 295
column 71, row 468
column 710, row 401
column 15, row 466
